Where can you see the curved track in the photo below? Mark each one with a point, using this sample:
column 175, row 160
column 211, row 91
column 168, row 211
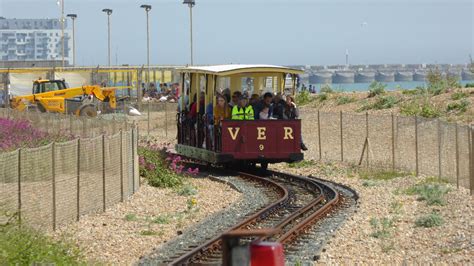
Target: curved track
column 298, row 202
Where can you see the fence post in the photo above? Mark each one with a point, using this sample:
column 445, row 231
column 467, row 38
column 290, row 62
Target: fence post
column 342, row 138
column 78, row 165
column 439, row 149
column 19, row 186
column 53, row 168
column 416, row 145
column 471, row 179
column 367, row 136
column 166, row 118
column 121, row 165
column 84, row 121
column 319, row 136
column 148, row 120
column 133, row 156
column 103, row 172
column 393, row 142
column 457, row 156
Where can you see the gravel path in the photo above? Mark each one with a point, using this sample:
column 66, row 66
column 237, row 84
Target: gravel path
column 251, row 200
column 151, row 217
column 452, row 242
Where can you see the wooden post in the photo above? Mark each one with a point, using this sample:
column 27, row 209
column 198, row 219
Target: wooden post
column 393, row 142
column 166, row 119
column 19, row 185
column 121, row 166
column 53, row 171
column 367, row 136
column 133, row 156
column 103, row 172
column 439, row 149
column 148, row 120
column 342, row 137
column 319, row 136
column 471, row 179
column 78, row 173
column 416, row 145
column 457, row 155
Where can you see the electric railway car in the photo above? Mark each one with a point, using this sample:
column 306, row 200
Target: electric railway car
column 236, row 141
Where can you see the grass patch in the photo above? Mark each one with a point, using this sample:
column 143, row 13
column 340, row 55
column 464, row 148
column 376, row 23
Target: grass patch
column 469, row 85
column 376, row 88
column 161, row 219
column 303, row 98
column 459, row 95
column 187, row 190
column 383, row 102
column 459, row 107
column 417, row 91
column 150, row 233
column 322, row 97
column 131, row 217
column 433, row 194
column 344, row 100
column 396, row 207
column 25, row 246
column 382, row 228
column 430, row 220
column 425, row 109
column 369, row 183
column 326, row 88
column 302, row 164
column 380, row 174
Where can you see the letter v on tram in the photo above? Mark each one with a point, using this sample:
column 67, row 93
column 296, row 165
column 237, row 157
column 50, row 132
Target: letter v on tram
column 235, row 141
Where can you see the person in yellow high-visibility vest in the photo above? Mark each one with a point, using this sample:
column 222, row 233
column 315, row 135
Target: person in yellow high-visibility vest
column 243, row 111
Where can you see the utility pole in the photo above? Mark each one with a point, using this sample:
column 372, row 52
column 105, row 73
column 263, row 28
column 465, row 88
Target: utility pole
column 147, row 10
column 108, row 12
column 73, row 17
column 190, row 4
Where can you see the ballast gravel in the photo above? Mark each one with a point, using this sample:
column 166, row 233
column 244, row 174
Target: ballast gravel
column 251, row 199
column 151, row 217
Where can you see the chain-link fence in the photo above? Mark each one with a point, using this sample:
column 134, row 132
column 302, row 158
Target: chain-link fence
column 158, row 119
column 57, row 183
column 423, row 146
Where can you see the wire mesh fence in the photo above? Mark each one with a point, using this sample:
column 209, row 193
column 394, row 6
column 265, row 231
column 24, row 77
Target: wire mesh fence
column 413, row 144
column 57, row 183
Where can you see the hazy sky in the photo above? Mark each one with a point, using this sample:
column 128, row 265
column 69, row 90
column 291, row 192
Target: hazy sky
column 285, row 32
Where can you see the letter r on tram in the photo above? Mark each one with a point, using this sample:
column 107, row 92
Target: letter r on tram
column 288, row 133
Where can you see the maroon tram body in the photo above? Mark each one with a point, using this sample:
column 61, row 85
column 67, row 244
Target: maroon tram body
column 262, row 140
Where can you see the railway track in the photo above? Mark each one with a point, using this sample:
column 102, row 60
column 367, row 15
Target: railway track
column 297, row 203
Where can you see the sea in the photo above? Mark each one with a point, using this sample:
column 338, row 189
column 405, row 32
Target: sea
column 407, row 85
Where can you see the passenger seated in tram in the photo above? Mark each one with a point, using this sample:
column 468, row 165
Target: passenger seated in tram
column 235, row 99
column 254, row 99
column 278, row 106
column 243, row 111
column 291, row 112
column 222, row 111
column 265, row 102
column 265, row 114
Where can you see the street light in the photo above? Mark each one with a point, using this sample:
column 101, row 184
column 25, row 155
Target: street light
column 73, row 17
column 62, row 30
column 190, row 4
column 147, row 9
column 108, row 12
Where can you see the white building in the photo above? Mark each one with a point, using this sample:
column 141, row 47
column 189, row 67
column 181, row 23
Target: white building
column 34, row 39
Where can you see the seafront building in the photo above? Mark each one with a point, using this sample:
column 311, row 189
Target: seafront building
column 34, row 40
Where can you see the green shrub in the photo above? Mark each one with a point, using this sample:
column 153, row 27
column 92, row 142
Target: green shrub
column 382, row 227
column 380, row 174
column 459, row 95
column 154, row 168
column 25, row 246
column 424, row 109
column 460, row 107
column 302, row 164
column 131, row 217
column 162, row 219
column 326, row 88
column 469, row 85
column 376, row 88
column 437, row 84
column 383, row 102
column 187, row 190
column 430, row 220
column 417, row 91
column 345, row 100
column 322, row 97
column 433, row 194
column 304, row 97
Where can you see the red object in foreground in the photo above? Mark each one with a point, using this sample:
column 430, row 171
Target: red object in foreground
column 267, row 254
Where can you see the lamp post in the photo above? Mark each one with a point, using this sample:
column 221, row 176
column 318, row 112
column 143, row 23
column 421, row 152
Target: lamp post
column 108, row 12
column 62, row 31
column 147, row 10
column 190, row 4
column 73, row 17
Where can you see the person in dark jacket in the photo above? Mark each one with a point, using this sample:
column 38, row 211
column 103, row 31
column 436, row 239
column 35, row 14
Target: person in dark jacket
column 291, row 112
column 278, row 107
column 265, row 102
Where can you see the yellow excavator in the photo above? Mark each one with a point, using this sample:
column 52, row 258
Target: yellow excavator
column 55, row 96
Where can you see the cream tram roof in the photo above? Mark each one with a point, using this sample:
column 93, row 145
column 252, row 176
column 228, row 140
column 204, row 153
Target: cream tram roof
column 226, row 70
